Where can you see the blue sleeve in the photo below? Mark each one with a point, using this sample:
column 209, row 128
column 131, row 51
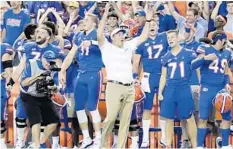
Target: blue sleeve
column 223, row 9
column 197, row 63
column 27, row 19
column 164, row 60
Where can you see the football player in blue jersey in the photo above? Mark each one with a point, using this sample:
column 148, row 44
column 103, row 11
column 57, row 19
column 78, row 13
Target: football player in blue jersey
column 6, row 71
column 151, row 52
column 174, row 88
column 87, row 87
column 213, row 62
column 21, row 116
column 191, row 44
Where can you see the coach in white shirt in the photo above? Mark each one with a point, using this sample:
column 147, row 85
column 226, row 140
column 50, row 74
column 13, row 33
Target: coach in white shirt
column 120, row 89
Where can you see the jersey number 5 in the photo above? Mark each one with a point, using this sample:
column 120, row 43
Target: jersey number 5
column 174, row 66
column 159, row 49
column 214, row 66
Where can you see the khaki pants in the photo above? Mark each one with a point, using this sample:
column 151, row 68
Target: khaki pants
column 119, row 99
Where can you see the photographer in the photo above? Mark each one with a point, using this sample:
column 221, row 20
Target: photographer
column 37, row 86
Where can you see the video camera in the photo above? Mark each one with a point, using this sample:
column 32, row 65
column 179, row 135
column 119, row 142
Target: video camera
column 46, row 85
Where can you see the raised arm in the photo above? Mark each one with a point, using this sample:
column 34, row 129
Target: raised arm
column 71, row 19
column 215, row 11
column 100, row 31
column 118, row 11
column 44, row 15
column 146, row 29
column 172, row 11
column 206, row 11
column 58, row 18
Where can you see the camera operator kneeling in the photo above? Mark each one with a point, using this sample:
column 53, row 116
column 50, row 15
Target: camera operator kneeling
column 37, row 86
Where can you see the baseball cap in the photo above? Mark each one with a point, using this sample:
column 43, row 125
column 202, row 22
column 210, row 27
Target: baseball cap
column 49, row 56
column 117, row 30
column 161, row 7
column 73, row 4
column 141, row 13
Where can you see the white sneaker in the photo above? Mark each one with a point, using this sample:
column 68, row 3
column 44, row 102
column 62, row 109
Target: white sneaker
column 75, row 147
column 200, row 148
column 96, row 143
column 19, row 144
column 145, row 144
column 86, row 143
column 56, row 146
column 218, row 142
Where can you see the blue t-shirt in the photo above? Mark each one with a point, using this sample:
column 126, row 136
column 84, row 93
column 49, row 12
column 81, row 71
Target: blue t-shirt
column 178, row 67
column 212, row 72
column 151, row 52
column 14, row 25
column 90, row 59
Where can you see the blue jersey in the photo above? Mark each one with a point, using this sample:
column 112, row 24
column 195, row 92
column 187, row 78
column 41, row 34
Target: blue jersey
column 32, row 51
column 212, row 72
column 5, row 48
column 90, row 59
column 178, row 67
column 193, row 45
column 14, row 25
column 67, row 43
column 151, row 52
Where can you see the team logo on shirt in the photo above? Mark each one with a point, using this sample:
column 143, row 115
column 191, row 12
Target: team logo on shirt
column 13, row 22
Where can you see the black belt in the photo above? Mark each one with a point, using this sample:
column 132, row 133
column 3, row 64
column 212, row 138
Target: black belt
column 120, row 83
